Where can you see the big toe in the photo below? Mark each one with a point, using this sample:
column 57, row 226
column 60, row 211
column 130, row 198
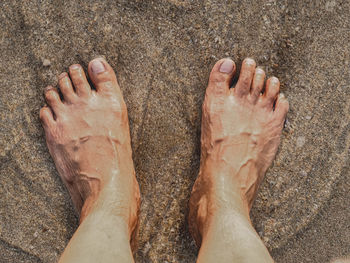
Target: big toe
column 103, row 76
column 221, row 77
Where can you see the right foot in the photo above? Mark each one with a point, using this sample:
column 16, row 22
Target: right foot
column 88, row 138
column 241, row 130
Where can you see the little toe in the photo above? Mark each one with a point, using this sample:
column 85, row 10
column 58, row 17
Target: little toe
column 221, row 77
column 102, row 76
column 66, row 88
column 46, row 117
column 53, row 99
column 281, row 107
column 245, row 77
column 77, row 74
column 271, row 91
column 258, row 84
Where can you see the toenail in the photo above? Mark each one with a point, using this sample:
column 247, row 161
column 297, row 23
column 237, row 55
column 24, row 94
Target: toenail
column 48, row 88
column 62, row 75
column 227, row 66
column 249, row 61
column 75, row 66
column 274, row 80
column 260, row 71
column 97, row 66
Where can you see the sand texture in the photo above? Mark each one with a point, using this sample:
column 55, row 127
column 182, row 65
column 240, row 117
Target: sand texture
column 163, row 52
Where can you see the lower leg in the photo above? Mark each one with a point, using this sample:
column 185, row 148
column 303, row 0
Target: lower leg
column 103, row 236
column 232, row 239
column 241, row 130
column 227, row 234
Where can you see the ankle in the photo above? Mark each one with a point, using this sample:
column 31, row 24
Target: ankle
column 225, row 218
column 100, row 217
column 216, row 194
column 218, row 208
column 111, row 202
column 240, row 180
column 213, row 208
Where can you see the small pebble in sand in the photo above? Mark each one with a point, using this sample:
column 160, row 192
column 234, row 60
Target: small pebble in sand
column 46, row 62
column 301, row 141
column 308, row 117
column 146, row 247
column 303, row 173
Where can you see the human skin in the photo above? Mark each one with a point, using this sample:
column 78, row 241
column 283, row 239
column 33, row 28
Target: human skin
column 88, row 137
column 241, row 130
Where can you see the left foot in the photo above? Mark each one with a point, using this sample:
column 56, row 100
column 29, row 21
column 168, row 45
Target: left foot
column 241, row 130
column 88, row 137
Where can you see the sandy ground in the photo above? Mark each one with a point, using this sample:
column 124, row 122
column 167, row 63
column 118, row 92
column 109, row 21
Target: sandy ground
column 163, row 52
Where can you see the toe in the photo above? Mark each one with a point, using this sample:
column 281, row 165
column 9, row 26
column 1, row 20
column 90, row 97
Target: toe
column 245, row 77
column 82, row 87
column 271, row 91
column 258, row 84
column 221, row 77
column 281, row 107
column 53, row 99
column 103, row 76
column 66, row 87
column 46, row 117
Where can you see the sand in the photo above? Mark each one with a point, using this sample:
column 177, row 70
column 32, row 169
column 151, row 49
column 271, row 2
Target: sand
column 163, row 52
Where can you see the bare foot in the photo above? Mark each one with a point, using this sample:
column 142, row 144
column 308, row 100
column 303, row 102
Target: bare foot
column 88, row 138
column 241, row 130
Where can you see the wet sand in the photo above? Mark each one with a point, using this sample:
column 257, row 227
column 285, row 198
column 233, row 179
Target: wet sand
column 163, row 52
